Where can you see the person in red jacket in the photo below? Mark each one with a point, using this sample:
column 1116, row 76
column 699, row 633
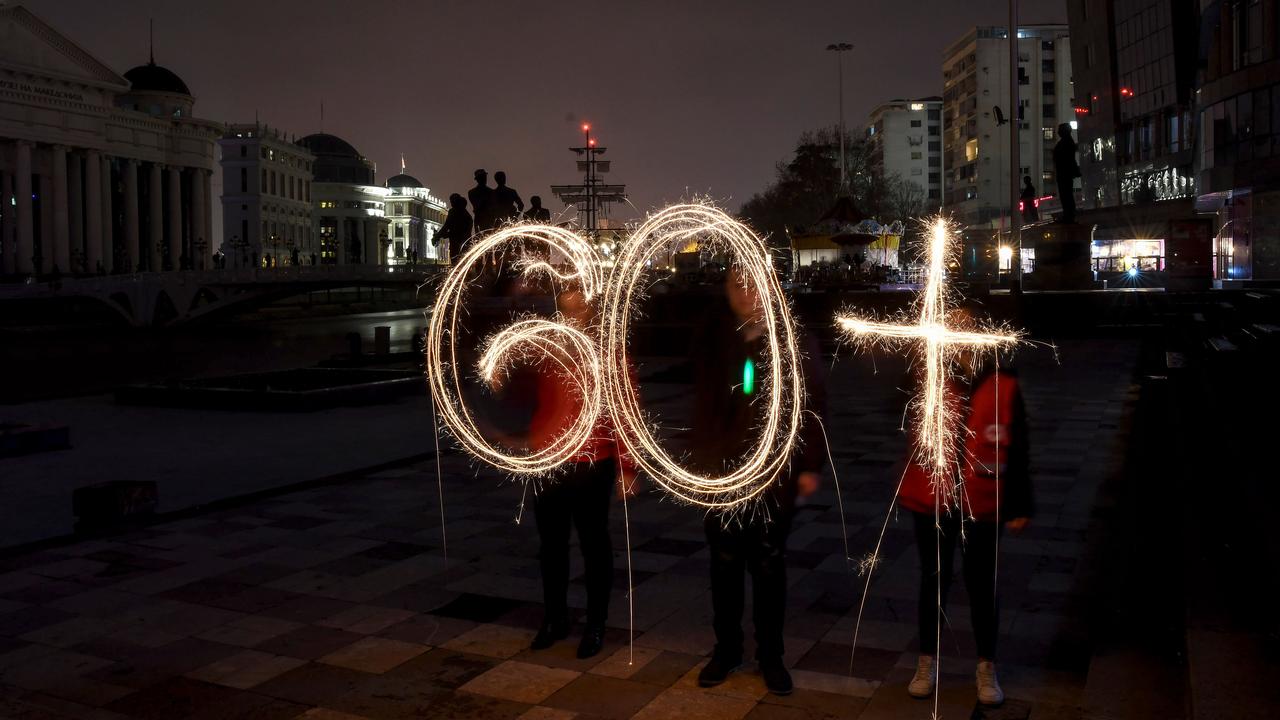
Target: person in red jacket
column 578, row 495
column 993, row 470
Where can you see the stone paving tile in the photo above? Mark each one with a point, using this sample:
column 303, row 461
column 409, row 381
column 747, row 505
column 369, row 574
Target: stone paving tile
column 245, row 669
column 681, row 703
column 520, row 682
column 374, row 654
column 497, row 641
column 603, row 696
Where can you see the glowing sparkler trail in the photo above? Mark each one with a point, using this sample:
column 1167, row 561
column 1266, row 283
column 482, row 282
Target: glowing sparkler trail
column 936, row 436
column 670, row 228
column 596, row 359
column 574, row 351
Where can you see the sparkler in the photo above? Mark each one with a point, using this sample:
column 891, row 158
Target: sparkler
column 781, row 377
column 938, row 418
column 573, row 350
column 596, row 359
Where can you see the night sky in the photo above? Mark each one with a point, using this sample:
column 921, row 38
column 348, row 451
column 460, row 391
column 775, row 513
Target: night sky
column 689, row 97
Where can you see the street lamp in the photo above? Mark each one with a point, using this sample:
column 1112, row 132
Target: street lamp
column 840, row 49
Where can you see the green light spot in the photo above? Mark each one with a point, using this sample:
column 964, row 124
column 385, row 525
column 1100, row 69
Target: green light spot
column 748, row 377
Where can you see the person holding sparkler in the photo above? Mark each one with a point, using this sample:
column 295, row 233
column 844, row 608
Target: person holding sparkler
column 992, row 472
column 753, row 539
column 578, row 495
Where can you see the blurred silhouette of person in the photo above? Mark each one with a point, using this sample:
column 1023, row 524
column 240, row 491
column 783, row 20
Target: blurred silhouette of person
column 577, row 496
column 482, row 201
column 456, row 228
column 994, row 469
column 1066, row 170
column 537, row 213
column 507, row 204
column 1030, row 213
column 726, row 416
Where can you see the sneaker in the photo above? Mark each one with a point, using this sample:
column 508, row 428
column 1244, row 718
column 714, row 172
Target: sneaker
column 549, row 633
column 989, row 692
column 592, row 642
column 776, row 677
column 717, row 670
column 921, row 685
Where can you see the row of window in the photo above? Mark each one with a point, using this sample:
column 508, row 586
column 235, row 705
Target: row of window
column 1242, row 128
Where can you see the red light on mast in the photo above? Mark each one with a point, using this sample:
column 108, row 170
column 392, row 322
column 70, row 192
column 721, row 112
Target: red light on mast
column 1126, row 92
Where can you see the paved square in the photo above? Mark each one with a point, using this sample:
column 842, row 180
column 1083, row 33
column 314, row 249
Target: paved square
column 339, row 601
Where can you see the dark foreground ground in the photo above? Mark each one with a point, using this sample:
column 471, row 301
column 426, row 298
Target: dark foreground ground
column 1143, row 589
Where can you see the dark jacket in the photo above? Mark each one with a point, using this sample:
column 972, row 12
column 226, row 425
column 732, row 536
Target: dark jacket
column 726, row 419
column 457, row 230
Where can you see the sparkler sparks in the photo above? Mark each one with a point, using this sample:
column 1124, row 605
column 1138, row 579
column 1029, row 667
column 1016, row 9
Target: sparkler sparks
column 573, row 350
column 781, row 376
column 596, row 359
column 936, row 436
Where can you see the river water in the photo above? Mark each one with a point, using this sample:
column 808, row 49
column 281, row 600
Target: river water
column 39, row 364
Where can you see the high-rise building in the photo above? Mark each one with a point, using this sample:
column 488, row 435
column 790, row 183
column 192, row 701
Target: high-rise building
column 906, row 140
column 1238, row 170
column 414, row 215
column 1135, row 76
column 99, row 172
column 267, row 213
column 975, row 99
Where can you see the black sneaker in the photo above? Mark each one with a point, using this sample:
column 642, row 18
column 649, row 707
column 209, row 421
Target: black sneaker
column 549, row 633
column 592, row 642
column 717, row 670
column 776, row 677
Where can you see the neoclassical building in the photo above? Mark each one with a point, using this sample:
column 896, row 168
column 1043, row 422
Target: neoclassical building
column 350, row 208
column 98, row 172
column 414, row 215
column 267, row 214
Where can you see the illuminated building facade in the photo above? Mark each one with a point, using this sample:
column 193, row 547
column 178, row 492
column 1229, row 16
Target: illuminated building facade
column 906, row 140
column 350, row 208
column 1239, row 153
column 99, row 172
column 975, row 105
column 267, row 216
column 413, row 217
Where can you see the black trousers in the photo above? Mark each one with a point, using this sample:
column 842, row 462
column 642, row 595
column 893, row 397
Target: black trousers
column 757, row 546
column 581, row 497
column 937, row 545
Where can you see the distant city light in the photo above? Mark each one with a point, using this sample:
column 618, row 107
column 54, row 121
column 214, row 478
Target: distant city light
column 917, row 106
column 1082, row 110
column 1126, row 92
column 1133, row 272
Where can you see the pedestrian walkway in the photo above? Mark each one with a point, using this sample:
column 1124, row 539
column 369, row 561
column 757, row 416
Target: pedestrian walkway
column 340, row 601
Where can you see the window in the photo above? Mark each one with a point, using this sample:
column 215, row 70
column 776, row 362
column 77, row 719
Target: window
column 917, row 171
column 934, row 130
column 244, row 151
column 915, row 123
column 935, row 146
column 308, row 187
column 935, row 178
column 244, row 178
column 272, row 175
column 935, row 115
column 935, row 161
column 933, row 194
column 1048, row 111
column 916, row 155
column 1049, row 133
column 264, row 153
column 262, row 186
column 971, row 150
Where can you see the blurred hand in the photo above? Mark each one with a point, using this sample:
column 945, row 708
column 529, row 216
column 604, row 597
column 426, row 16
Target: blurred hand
column 628, row 484
column 1017, row 525
column 807, row 483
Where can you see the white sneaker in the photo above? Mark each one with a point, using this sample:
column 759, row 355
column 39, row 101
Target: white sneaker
column 921, row 685
column 989, row 692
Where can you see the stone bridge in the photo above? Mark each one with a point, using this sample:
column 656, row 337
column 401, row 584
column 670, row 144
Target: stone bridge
column 164, row 299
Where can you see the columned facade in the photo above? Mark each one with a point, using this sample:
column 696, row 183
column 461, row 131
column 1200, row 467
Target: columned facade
column 102, row 173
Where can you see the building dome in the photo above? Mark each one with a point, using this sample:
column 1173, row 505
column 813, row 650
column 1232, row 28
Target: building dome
column 155, row 78
column 337, row 161
column 403, row 181
column 324, row 144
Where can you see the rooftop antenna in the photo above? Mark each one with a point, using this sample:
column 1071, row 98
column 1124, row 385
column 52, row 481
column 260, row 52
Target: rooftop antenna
column 401, row 163
column 151, row 39
column 321, row 116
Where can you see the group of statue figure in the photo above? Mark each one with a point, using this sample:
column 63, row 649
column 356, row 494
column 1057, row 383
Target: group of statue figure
column 491, row 207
